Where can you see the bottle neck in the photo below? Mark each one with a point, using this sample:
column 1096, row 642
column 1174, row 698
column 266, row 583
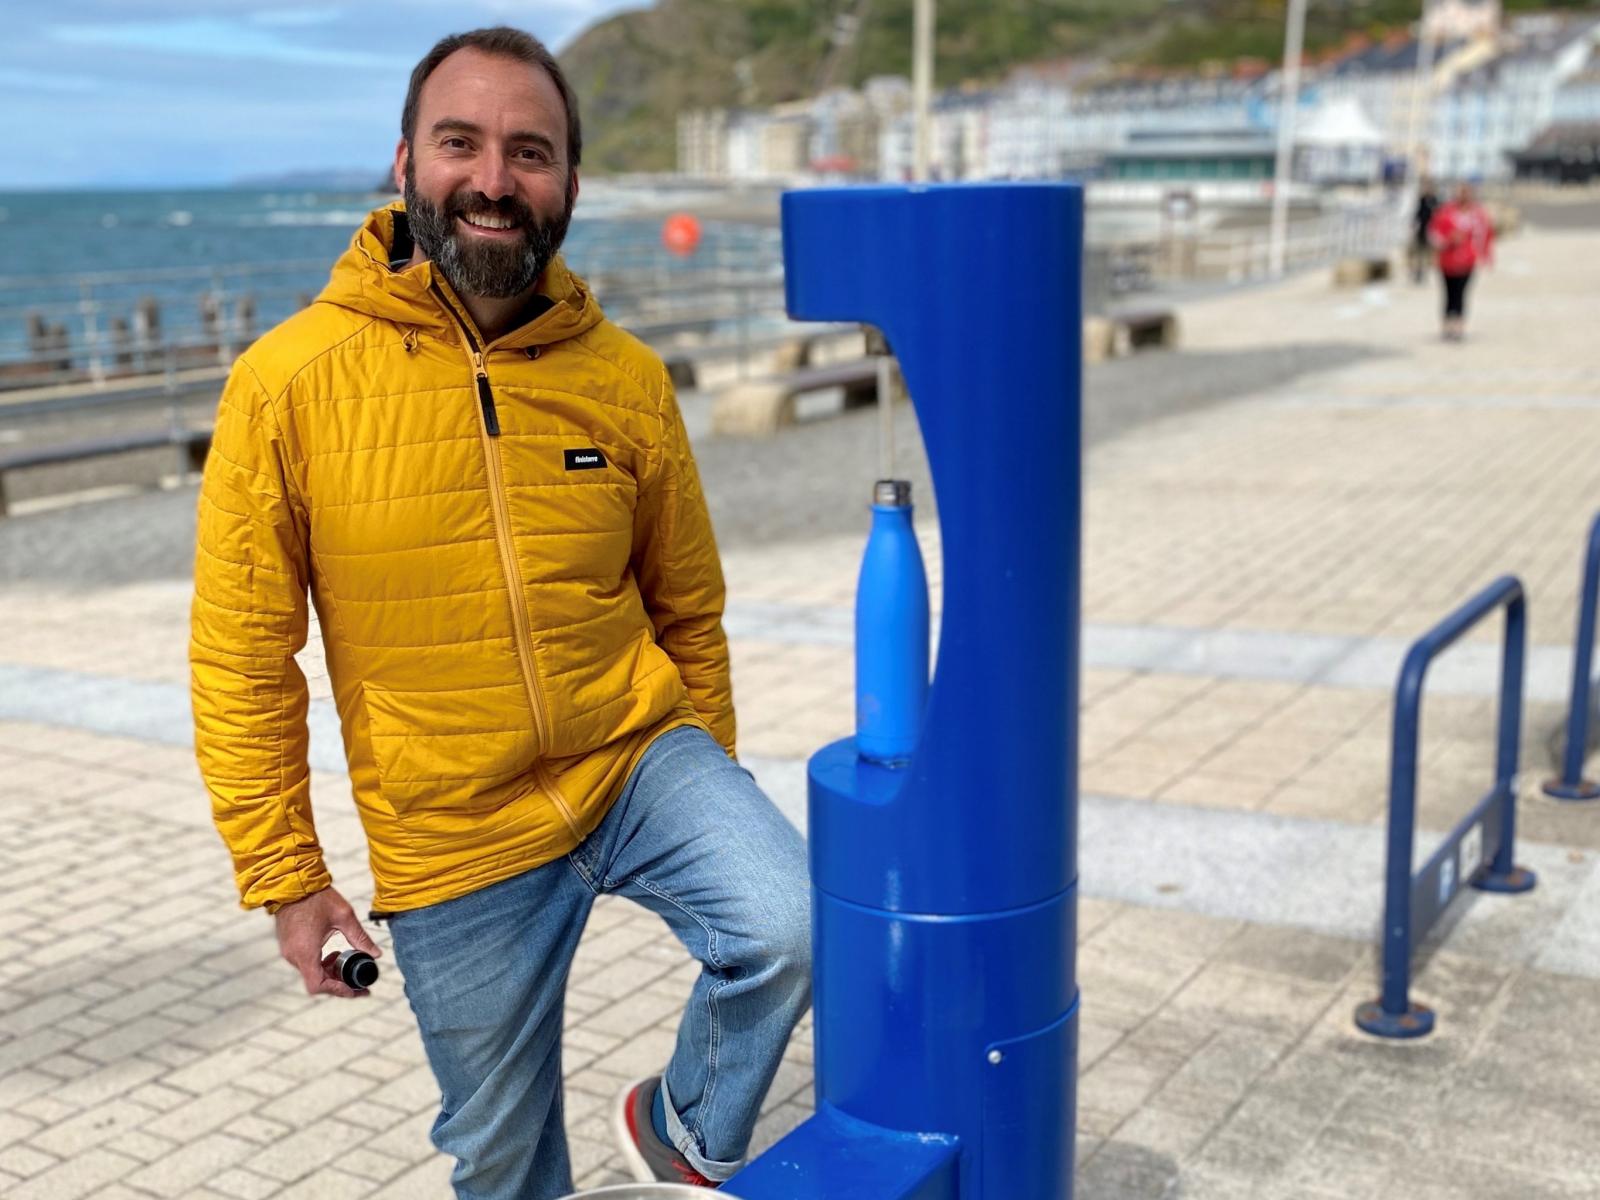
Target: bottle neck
column 891, row 493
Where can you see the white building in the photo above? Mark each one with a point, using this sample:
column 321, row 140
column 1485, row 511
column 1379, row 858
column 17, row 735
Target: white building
column 703, row 143
column 1382, row 79
column 1493, row 111
column 1577, row 101
column 1450, row 19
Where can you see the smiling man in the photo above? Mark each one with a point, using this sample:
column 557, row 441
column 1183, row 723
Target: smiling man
column 486, row 489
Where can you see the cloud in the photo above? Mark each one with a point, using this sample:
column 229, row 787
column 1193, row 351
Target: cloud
column 47, row 81
column 207, row 37
column 296, row 17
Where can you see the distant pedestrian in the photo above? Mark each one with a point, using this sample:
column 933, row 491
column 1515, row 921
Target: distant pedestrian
column 1463, row 235
column 1420, row 252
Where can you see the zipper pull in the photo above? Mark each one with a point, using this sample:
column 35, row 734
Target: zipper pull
column 491, row 419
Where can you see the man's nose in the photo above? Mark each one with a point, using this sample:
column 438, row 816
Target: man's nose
column 492, row 177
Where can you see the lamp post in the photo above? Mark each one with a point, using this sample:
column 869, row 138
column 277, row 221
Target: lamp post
column 1289, row 102
column 922, row 87
column 1421, row 94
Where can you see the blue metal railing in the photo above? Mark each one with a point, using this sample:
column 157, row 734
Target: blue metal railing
column 1478, row 850
column 1571, row 785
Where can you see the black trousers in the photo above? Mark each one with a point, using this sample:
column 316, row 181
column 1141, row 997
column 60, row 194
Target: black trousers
column 1455, row 295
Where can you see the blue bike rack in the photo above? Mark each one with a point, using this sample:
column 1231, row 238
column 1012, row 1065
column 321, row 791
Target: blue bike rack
column 1479, row 849
column 1571, row 785
column 945, row 890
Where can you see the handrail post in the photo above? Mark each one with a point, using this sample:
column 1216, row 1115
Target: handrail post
column 1414, row 901
column 1571, row 785
column 1395, row 1015
column 1503, row 875
column 1511, row 716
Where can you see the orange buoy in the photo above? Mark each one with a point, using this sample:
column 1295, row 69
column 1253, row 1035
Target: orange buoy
column 680, row 233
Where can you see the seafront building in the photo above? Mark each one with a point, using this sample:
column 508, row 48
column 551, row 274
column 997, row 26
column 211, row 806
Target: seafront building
column 1496, row 89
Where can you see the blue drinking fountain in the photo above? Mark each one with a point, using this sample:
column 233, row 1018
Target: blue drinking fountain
column 944, row 852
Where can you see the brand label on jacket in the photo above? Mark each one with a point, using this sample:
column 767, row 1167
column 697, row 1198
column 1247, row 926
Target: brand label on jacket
column 584, row 460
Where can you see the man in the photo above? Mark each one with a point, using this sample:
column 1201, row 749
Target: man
column 1463, row 234
column 1420, row 251
column 488, row 491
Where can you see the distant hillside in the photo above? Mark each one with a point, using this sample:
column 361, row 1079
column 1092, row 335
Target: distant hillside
column 635, row 72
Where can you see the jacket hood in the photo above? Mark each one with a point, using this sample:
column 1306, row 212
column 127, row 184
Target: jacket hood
column 363, row 281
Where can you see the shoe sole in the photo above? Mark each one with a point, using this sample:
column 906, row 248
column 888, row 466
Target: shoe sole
column 619, row 1127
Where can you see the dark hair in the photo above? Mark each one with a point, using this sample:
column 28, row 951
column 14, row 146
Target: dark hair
column 508, row 43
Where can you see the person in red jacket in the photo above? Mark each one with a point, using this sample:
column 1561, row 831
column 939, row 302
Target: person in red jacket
column 1463, row 235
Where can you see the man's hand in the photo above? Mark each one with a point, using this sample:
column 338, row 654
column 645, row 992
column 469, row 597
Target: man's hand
column 304, row 928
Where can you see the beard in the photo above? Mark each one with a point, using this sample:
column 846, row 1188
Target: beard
column 476, row 266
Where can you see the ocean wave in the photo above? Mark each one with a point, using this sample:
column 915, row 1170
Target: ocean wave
column 325, row 217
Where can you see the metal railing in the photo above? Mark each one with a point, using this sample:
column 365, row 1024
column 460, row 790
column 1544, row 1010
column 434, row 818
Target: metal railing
column 1237, row 255
column 1116, row 268
column 1570, row 784
column 95, row 331
column 1478, row 850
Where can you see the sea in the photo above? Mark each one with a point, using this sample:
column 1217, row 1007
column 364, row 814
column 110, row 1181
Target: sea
column 72, row 257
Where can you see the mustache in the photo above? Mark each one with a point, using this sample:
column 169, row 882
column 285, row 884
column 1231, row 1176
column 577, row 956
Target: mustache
column 476, row 204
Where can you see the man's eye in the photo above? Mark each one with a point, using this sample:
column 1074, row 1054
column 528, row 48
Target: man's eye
column 454, row 143
column 531, row 155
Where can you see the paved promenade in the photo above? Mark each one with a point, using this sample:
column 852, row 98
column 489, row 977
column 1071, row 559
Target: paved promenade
column 1260, row 547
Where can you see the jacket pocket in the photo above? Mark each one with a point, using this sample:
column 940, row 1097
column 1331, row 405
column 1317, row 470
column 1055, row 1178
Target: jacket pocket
column 468, row 750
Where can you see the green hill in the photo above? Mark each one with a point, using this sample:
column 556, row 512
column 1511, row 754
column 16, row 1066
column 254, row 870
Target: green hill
column 636, row 71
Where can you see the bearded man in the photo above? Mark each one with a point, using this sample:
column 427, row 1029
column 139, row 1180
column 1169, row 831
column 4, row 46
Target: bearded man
column 487, row 491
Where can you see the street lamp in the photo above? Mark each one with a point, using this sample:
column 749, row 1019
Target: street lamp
column 922, row 85
column 1288, row 105
column 1421, row 94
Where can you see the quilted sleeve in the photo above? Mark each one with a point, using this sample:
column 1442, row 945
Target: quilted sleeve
column 680, row 573
column 247, row 622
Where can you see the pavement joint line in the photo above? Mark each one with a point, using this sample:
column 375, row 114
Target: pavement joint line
column 159, row 712
column 1467, row 669
column 1332, row 403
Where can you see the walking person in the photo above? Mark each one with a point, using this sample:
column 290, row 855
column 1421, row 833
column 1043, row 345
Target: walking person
column 1463, row 235
column 487, row 490
column 1420, row 251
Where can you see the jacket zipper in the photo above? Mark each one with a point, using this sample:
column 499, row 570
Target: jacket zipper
column 489, row 434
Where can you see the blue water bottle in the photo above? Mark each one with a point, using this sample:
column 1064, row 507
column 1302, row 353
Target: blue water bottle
column 891, row 631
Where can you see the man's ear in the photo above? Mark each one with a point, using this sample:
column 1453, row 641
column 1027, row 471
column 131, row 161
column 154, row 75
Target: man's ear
column 572, row 185
column 402, row 153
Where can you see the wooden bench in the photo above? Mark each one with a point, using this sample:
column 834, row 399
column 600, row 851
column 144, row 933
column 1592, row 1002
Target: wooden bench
column 760, row 407
column 1358, row 272
column 1143, row 328
column 192, row 444
column 681, row 371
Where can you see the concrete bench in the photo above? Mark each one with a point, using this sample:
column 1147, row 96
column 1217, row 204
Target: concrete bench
column 760, row 407
column 1358, row 272
column 192, row 444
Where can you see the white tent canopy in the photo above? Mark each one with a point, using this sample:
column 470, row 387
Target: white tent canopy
column 1342, row 124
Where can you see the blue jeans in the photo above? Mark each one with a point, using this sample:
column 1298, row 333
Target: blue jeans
column 693, row 839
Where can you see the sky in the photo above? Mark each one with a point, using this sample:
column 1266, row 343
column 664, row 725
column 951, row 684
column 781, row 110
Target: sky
column 150, row 93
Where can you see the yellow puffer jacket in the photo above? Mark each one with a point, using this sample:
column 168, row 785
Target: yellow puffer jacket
column 512, row 565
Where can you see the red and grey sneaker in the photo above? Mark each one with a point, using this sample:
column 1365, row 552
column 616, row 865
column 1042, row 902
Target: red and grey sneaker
column 649, row 1158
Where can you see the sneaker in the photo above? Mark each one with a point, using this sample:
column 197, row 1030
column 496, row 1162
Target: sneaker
column 649, row 1158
